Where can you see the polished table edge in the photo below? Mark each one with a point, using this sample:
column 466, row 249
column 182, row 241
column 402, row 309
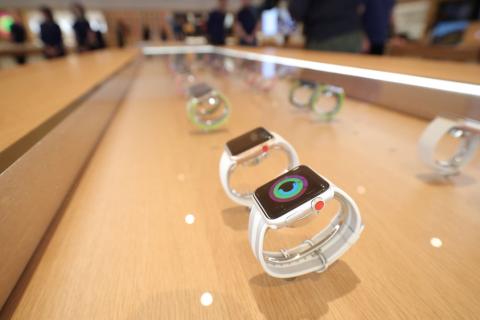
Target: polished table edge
column 17, row 148
column 363, row 81
column 37, row 184
column 435, row 69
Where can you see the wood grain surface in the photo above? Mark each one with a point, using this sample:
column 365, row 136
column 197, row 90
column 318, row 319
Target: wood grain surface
column 120, row 247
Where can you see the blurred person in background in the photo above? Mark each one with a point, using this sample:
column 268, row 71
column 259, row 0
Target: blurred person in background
column 18, row 35
column 121, row 32
column 51, row 35
column 146, row 34
column 177, row 24
column 216, row 32
column 329, row 25
column 377, row 19
column 96, row 40
column 81, row 27
column 163, row 33
column 246, row 25
column 286, row 25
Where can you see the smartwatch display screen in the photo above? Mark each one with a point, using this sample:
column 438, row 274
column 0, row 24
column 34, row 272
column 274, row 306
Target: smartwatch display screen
column 199, row 90
column 290, row 190
column 248, row 140
column 308, row 83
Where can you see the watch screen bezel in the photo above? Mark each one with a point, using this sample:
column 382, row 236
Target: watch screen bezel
column 307, row 83
column 199, row 90
column 275, row 209
column 233, row 145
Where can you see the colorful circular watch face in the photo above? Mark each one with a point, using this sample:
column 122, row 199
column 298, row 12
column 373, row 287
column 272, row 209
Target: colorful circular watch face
column 288, row 188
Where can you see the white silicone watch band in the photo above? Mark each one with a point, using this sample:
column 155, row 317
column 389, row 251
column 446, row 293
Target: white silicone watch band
column 329, row 244
column 430, row 139
column 227, row 166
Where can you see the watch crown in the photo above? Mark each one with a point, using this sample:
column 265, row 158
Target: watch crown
column 317, row 205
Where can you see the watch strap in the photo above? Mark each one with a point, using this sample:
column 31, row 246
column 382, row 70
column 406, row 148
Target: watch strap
column 432, row 136
column 227, row 166
column 302, row 84
column 281, row 143
column 211, row 124
column 339, row 94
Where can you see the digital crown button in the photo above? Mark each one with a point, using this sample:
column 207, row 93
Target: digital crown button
column 317, row 204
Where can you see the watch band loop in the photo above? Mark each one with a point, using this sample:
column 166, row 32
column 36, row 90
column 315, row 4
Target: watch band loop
column 309, row 242
column 324, row 265
column 285, row 253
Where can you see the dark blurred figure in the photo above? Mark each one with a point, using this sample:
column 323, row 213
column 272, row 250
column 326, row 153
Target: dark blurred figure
column 246, row 24
column 121, row 33
column 330, row 25
column 18, row 35
column 216, row 32
column 100, row 40
column 267, row 5
column 146, row 34
column 51, row 35
column 178, row 22
column 81, row 28
column 163, row 34
column 377, row 22
column 96, row 40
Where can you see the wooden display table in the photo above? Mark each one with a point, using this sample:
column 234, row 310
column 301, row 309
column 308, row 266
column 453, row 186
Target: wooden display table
column 120, row 247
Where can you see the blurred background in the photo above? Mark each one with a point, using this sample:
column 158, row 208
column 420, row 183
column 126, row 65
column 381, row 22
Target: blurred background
column 32, row 30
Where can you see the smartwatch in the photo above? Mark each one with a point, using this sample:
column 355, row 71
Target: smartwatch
column 331, row 110
column 207, row 108
column 302, row 85
column 467, row 130
column 249, row 149
column 317, row 91
column 293, row 196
